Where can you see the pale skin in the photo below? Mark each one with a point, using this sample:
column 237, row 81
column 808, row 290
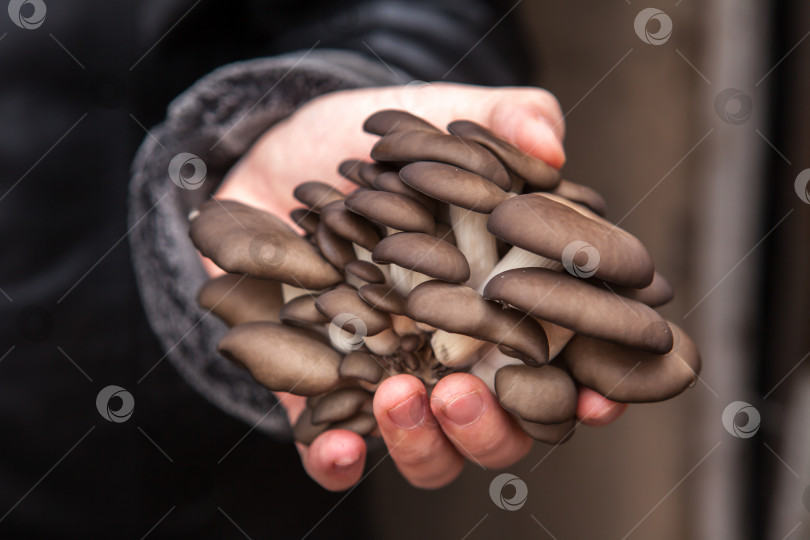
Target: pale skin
column 429, row 439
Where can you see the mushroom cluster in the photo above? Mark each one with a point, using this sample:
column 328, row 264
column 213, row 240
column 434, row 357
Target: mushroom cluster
column 456, row 252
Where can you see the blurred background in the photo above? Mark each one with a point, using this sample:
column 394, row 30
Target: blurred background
column 706, row 178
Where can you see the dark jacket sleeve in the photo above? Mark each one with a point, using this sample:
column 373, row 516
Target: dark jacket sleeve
column 219, row 117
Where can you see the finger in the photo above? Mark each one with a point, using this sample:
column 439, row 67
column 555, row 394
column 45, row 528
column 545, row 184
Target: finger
column 420, row 450
column 335, row 459
column 596, row 410
column 476, row 424
column 533, row 126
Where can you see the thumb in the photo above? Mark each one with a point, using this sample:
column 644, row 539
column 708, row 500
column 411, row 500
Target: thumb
column 536, row 127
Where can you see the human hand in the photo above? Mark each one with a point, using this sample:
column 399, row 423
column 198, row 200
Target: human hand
column 428, row 438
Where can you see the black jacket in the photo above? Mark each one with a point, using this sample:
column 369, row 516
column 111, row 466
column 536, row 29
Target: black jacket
column 76, row 94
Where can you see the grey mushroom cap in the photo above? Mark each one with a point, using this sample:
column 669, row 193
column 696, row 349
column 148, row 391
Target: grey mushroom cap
column 305, row 431
column 338, row 405
column 656, row 294
column 344, row 300
column 316, row 195
column 392, row 210
column 367, row 271
column 632, row 376
column 548, row 433
column 382, row 297
column 391, row 182
column 581, row 194
column 453, row 185
column 349, row 225
column 362, row 366
column 282, row 358
column 391, row 120
column 577, row 305
column 545, row 395
column 534, row 171
column 423, row 253
column 306, row 219
column 244, row 240
column 461, row 310
column 240, row 299
column 301, row 310
column 350, row 170
column 410, row 146
column 362, row 423
column 538, row 224
column 370, row 171
column 335, row 249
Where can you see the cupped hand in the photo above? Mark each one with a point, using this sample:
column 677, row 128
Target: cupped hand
column 429, row 438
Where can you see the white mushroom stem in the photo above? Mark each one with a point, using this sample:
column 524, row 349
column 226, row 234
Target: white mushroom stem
column 519, row 258
column 454, row 350
column 489, row 360
column 475, row 242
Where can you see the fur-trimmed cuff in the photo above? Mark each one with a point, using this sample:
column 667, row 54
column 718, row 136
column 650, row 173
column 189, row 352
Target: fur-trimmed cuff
column 217, row 120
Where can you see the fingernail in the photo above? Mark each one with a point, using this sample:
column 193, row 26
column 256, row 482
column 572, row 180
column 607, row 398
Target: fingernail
column 409, row 413
column 346, row 463
column 465, row 409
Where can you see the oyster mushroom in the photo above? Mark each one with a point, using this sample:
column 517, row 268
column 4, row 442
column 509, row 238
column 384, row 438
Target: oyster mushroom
column 283, row 359
column 239, row 299
column 244, row 240
column 631, row 375
column 476, row 282
column 579, row 306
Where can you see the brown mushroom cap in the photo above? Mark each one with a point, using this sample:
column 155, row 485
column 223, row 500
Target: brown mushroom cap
column 367, row 271
column 410, row 146
column 461, row 310
column 240, row 299
column 302, row 310
column 657, row 293
column 546, row 395
column 316, row 195
column 534, row 171
column 548, row 433
column 362, row 366
column 345, row 300
column 370, row 171
column 335, row 249
column 350, row 170
column 538, row 224
column 453, row 185
column 581, row 194
column 630, row 375
column 244, row 240
column 349, row 225
column 306, row 219
column 391, row 182
column 362, row 423
column 575, row 304
column 392, row 210
column 382, row 297
column 391, row 120
column 282, row 358
column 304, row 430
column 423, row 253
column 340, row 404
